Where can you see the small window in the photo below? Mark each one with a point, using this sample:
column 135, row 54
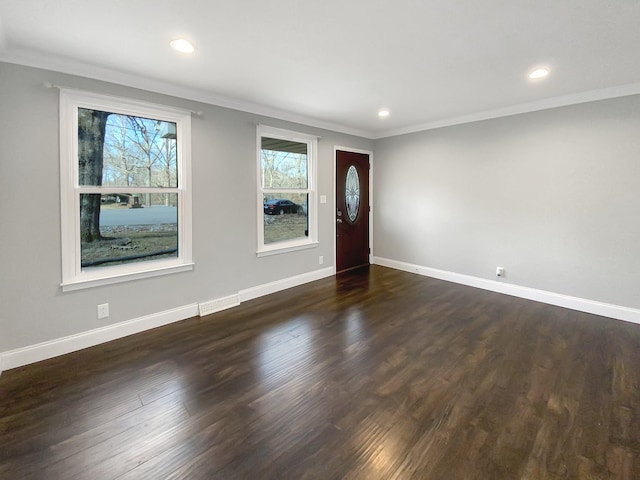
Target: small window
column 286, row 191
column 125, row 197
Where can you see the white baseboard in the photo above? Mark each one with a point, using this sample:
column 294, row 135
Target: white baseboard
column 60, row 346
column 574, row 303
column 278, row 285
column 53, row 348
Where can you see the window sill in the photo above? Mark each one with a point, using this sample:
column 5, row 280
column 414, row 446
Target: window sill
column 124, row 277
column 285, row 249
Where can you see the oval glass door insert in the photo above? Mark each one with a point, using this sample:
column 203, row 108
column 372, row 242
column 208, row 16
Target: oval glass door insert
column 352, row 193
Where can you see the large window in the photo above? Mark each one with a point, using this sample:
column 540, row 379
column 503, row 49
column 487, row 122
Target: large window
column 126, row 206
column 286, row 190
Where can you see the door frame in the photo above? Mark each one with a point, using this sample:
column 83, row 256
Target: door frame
column 333, row 211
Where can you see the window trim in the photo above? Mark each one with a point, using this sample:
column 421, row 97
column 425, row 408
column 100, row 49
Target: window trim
column 312, row 207
column 73, row 277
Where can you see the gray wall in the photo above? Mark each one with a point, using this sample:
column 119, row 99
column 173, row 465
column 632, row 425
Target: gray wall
column 33, row 309
column 551, row 196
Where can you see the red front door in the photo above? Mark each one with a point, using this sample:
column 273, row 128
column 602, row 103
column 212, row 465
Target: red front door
column 352, row 210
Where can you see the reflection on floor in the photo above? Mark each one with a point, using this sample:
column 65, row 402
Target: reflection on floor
column 373, row 374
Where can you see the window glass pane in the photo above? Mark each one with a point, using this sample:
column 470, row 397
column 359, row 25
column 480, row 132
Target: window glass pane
column 125, row 151
column 285, row 217
column 133, row 228
column 283, row 164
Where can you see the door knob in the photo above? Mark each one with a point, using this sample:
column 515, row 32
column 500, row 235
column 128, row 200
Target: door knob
column 339, row 220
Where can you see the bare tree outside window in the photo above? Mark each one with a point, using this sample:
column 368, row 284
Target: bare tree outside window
column 137, row 157
column 125, row 189
column 91, row 135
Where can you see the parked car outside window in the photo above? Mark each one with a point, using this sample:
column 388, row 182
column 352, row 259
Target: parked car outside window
column 278, row 206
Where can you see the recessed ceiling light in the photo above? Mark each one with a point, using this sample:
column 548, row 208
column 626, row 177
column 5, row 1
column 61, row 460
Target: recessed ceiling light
column 182, row 45
column 383, row 113
column 539, row 73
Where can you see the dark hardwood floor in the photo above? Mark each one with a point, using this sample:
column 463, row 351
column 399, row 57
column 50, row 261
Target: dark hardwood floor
column 373, row 374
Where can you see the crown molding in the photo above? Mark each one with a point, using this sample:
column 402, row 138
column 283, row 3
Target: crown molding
column 553, row 102
column 31, row 58
column 35, row 59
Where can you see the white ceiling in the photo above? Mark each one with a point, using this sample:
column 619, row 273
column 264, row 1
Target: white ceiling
column 335, row 63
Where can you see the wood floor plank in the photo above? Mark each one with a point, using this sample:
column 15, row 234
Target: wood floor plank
column 372, row 374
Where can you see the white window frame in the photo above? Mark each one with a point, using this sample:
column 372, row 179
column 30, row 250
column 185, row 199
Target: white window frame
column 73, row 276
column 301, row 243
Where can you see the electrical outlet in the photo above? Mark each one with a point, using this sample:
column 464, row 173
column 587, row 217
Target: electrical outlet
column 499, row 272
column 103, row 311
column 320, row 259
